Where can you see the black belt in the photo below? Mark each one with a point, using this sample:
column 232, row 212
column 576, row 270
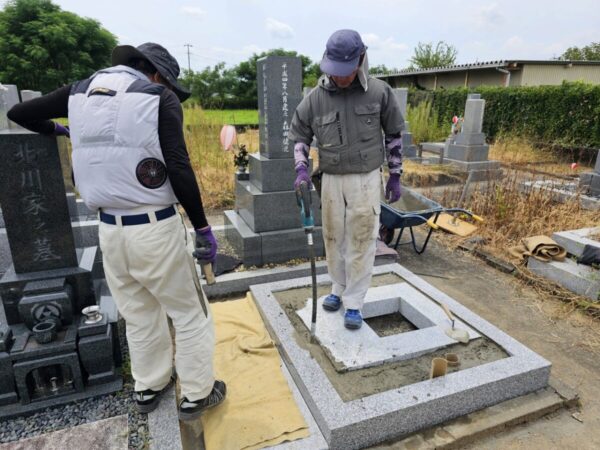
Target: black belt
column 137, row 219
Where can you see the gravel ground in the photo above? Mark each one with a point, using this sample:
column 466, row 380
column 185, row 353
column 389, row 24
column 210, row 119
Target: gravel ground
column 78, row 413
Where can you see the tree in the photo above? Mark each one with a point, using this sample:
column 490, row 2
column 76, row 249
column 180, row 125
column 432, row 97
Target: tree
column 426, row 56
column 588, row 53
column 44, row 47
column 380, row 69
column 220, row 87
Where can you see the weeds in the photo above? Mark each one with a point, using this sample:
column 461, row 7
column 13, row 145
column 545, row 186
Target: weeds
column 424, row 123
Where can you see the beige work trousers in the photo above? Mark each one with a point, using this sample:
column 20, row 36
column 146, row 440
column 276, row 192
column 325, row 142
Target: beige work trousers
column 351, row 208
column 151, row 274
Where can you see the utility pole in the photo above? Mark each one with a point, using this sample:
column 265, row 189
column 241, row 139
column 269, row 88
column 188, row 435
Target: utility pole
column 188, row 53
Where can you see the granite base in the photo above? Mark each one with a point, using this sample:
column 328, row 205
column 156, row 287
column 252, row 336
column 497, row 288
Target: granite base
column 396, row 413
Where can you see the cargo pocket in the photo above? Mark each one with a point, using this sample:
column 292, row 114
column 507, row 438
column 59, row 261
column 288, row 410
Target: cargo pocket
column 328, row 130
column 368, row 121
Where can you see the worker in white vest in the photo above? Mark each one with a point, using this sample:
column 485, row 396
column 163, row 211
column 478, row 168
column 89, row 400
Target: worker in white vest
column 347, row 112
column 131, row 164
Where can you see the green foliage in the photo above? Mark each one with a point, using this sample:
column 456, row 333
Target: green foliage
column 588, row 53
column 567, row 115
column 426, row 56
column 43, row 47
column 219, row 87
column 424, row 123
column 381, row 69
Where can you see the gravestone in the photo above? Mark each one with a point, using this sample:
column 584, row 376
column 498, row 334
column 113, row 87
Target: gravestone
column 467, row 150
column 589, row 182
column 409, row 150
column 265, row 226
column 50, row 351
column 9, row 96
column 28, row 95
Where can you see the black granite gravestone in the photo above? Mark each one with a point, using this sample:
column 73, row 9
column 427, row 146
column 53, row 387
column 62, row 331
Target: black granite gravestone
column 34, row 204
column 51, row 351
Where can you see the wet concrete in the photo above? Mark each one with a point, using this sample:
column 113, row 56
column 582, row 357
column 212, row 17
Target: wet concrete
column 361, row 383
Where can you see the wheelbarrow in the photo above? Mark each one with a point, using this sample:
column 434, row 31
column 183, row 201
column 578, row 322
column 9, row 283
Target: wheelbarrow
column 412, row 210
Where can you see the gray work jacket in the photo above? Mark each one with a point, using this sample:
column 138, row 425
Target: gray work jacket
column 347, row 124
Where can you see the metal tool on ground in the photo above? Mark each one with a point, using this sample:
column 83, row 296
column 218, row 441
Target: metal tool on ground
column 303, row 198
column 454, row 333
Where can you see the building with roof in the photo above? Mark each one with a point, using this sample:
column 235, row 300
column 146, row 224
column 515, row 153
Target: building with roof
column 497, row 73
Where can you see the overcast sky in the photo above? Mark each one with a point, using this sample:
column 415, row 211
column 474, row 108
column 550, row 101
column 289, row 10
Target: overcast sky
column 231, row 30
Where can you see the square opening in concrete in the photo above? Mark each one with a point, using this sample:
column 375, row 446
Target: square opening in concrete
column 357, row 349
column 385, row 392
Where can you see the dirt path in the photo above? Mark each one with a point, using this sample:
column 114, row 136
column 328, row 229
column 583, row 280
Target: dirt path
column 569, row 339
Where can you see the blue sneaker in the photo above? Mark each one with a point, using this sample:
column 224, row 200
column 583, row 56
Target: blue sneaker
column 353, row 319
column 332, row 303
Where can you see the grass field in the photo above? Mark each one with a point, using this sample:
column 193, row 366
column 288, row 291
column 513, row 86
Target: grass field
column 196, row 115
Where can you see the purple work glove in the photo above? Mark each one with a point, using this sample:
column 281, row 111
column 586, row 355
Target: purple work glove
column 392, row 188
column 206, row 246
column 302, row 175
column 60, row 130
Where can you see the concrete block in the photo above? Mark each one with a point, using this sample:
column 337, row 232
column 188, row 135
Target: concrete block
column 395, row 413
column 482, row 170
column 473, row 96
column 270, row 211
column 246, row 243
column 285, row 245
column 409, row 150
column 574, row 241
column 563, row 192
column 470, row 139
column 272, row 175
column 432, row 146
column 581, row 279
column 357, row 349
column 468, row 153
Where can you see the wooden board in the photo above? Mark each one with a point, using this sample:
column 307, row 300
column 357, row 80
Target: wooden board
column 453, row 225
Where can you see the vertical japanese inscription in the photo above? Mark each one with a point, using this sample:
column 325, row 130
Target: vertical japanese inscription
column 284, row 108
column 26, row 159
column 33, row 199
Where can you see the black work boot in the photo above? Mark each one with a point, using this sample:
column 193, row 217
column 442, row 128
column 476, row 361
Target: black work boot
column 189, row 410
column 147, row 401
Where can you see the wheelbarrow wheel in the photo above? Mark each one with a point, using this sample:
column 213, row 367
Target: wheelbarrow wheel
column 386, row 234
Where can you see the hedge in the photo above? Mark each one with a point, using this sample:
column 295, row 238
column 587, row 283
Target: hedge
column 567, row 115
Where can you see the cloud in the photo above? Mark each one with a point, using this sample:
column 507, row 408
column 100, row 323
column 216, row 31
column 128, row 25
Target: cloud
column 375, row 42
column 279, row 29
column 193, row 11
column 489, row 15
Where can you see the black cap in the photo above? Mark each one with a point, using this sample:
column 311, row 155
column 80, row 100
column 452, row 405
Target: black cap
column 159, row 57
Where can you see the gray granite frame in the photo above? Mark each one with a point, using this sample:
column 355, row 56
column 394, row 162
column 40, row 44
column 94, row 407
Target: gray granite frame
column 398, row 412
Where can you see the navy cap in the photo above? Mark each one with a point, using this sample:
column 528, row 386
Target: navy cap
column 342, row 53
column 159, row 57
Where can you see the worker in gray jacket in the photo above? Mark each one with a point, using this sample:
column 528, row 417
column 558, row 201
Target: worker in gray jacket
column 346, row 113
